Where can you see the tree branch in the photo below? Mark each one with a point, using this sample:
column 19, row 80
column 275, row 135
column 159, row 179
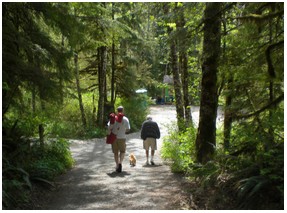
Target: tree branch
column 271, row 104
column 268, row 57
column 259, row 18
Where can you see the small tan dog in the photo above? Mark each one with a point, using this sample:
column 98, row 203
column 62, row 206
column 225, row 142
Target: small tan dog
column 133, row 159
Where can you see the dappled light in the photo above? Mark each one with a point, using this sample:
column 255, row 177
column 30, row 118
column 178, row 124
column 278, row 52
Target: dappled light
column 210, row 74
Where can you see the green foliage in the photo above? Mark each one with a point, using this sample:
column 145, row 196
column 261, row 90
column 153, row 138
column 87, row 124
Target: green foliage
column 31, row 60
column 178, row 149
column 37, row 88
column 249, row 190
column 67, row 123
column 14, row 179
column 69, row 129
column 51, row 160
column 265, row 155
column 206, row 174
column 250, row 174
column 26, row 161
column 136, row 109
column 11, row 198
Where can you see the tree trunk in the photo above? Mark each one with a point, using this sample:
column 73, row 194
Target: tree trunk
column 94, row 115
column 61, row 81
column 33, row 99
column 185, row 77
column 79, row 90
column 175, row 72
column 227, row 119
column 206, row 135
column 228, row 99
column 41, row 135
column 113, row 63
column 177, row 86
column 180, row 23
column 271, row 91
column 113, row 75
column 102, row 54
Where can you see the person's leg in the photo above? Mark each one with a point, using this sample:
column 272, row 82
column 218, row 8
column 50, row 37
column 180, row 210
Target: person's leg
column 153, row 148
column 116, row 156
column 122, row 155
column 120, row 160
column 122, row 148
column 152, row 154
column 116, row 153
column 146, row 154
column 146, row 148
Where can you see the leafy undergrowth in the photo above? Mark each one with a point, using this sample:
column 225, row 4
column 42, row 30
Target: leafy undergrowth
column 246, row 177
column 27, row 164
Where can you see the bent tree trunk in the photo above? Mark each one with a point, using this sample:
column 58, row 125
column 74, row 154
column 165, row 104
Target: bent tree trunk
column 206, row 135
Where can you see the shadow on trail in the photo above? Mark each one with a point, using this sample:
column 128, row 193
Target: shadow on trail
column 156, row 165
column 118, row 174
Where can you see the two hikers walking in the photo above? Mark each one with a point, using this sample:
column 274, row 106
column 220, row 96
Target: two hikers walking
column 149, row 133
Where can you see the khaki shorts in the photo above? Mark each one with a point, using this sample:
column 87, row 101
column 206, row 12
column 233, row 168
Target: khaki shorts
column 119, row 145
column 150, row 142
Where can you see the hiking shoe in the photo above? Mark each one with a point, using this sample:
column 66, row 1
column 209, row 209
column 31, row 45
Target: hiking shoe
column 146, row 163
column 152, row 163
column 119, row 169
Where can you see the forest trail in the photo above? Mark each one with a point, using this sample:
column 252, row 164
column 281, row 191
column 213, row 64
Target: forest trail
column 93, row 183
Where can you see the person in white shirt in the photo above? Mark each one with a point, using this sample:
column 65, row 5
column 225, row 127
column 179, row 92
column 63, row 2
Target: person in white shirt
column 120, row 128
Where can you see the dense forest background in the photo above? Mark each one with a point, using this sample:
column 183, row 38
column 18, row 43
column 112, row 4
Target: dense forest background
column 65, row 66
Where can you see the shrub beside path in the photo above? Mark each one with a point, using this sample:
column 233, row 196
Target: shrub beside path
column 93, row 183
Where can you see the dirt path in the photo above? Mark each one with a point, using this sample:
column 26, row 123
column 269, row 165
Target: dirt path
column 93, row 183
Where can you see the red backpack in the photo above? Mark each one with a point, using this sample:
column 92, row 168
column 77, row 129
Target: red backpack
column 113, row 118
column 119, row 117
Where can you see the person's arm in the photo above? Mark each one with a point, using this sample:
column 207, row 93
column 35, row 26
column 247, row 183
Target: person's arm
column 158, row 132
column 110, row 126
column 128, row 127
column 143, row 131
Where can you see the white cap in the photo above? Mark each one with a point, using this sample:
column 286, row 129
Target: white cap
column 149, row 117
column 120, row 108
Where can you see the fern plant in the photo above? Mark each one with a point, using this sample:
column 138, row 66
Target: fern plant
column 250, row 190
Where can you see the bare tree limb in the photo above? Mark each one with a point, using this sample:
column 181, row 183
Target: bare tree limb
column 271, row 104
column 271, row 70
column 259, row 18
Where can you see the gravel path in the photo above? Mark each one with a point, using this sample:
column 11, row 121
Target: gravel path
column 93, row 183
